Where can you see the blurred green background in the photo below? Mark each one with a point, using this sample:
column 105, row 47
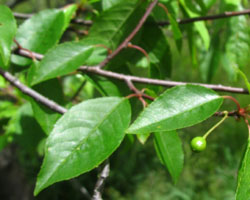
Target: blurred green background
column 136, row 172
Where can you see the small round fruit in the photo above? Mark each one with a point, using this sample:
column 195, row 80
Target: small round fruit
column 198, row 144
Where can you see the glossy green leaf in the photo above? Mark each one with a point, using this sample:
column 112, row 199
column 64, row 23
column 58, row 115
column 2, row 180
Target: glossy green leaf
column 243, row 187
column 62, row 59
column 7, row 33
column 169, row 149
column 176, row 108
column 84, row 137
column 116, row 23
column 200, row 26
column 42, row 31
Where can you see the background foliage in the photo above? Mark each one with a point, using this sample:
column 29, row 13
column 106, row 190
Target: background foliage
column 204, row 52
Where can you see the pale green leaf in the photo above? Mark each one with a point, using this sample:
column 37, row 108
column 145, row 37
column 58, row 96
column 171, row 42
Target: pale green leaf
column 176, row 108
column 84, row 137
column 200, row 26
column 143, row 137
column 106, row 4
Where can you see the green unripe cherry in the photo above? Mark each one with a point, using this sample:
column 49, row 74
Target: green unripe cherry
column 198, row 144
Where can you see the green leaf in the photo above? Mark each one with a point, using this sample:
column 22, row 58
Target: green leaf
column 175, row 27
column 62, row 59
column 116, row 23
column 237, row 47
column 69, row 12
column 7, row 33
column 24, row 129
column 84, row 137
column 157, row 48
column 45, row 116
column 210, row 60
column 43, row 31
column 243, row 75
column 243, row 188
column 176, row 108
column 200, row 26
column 143, row 137
column 106, row 4
column 169, row 148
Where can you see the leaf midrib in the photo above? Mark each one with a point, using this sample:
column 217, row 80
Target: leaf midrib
column 199, row 105
column 81, row 142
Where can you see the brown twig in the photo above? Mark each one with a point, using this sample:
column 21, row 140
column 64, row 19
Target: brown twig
column 73, row 98
column 137, row 92
column 209, row 17
column 101, row 181
column 32, row 93
column 130, row 45
column 161, row 23
column 124, row 44
column 234, row 100
column 136, row 79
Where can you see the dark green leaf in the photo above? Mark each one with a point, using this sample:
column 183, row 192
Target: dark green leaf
column 84, row 137
column 210, row 60
column 176, row 108
column 116, row 23
column 7, row 34
column 24, row 129
column 45, row 116
column 157, row 48
column 169, row 148
column 243, row 188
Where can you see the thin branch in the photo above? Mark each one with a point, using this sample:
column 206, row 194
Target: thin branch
column 165, row 83
column 32, row 93
column 101, row 181
column 162, row 23
column 76, row 184
column 209, row 17
column 131, row 35
column 78, row 91
column 150, row 81
column 22, row 15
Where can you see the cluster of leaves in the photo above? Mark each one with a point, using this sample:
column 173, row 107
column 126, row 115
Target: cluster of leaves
column 90, row 131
